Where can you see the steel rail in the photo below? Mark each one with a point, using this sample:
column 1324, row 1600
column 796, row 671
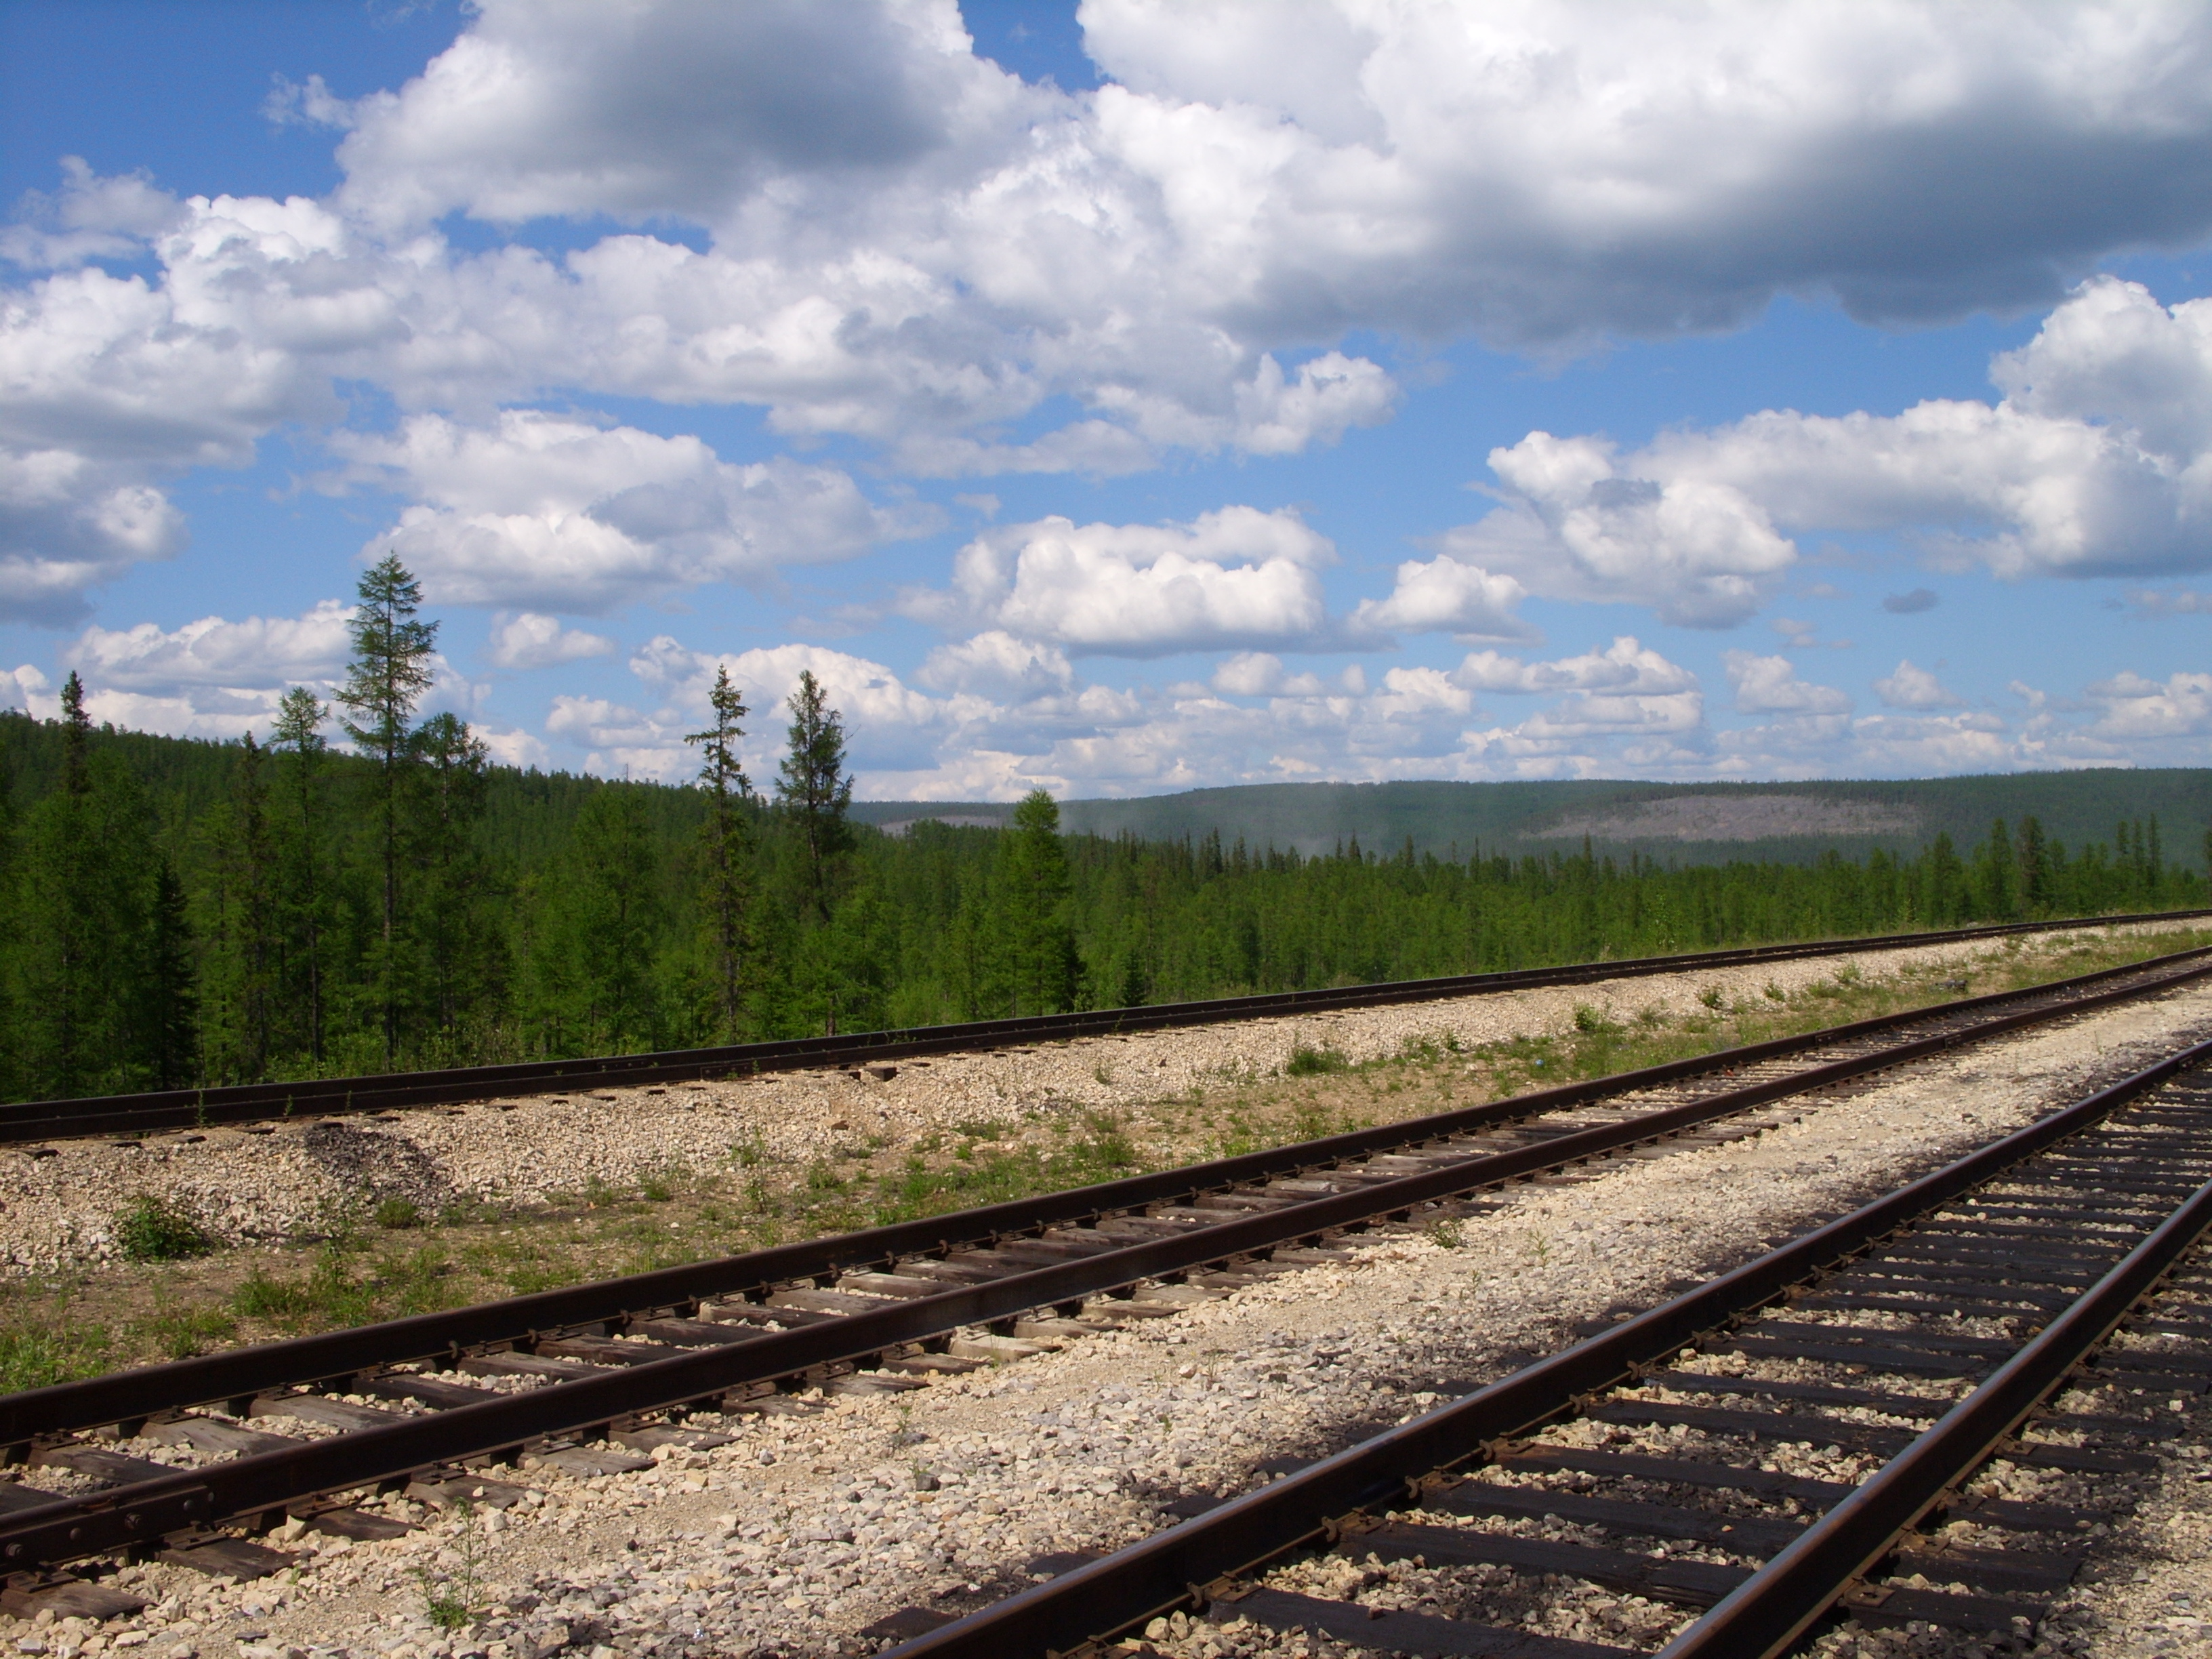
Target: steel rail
column 1769, row 1612
column 1182, row 1566
column 188, row 1108
column 503, row 1425
column 239, row 1374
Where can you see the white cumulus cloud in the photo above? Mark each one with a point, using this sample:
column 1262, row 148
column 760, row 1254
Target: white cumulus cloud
column 1445, row 595
column 1914, row 687
column 1770, row 685
column 1234, row 577
column 544, row 509
column 530, row 640
column 254, row 653
column 2096, row 462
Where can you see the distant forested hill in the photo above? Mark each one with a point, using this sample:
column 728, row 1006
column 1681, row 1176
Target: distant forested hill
column 1686, row 824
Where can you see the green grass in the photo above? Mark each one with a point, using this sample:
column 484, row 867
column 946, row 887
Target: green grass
column 345, row 1286
column 1314, row 1062
column 158, row 1229
column 38, row 1359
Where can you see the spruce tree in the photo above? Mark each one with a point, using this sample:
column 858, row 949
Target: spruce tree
column 82, row 881
column 592, row 944
column 814, row 787
column 2035, row 867
column 384, row 683
column 298, row 729
column 1035, row 886
column 251, row 866
column 168, row 1010
column 458, row 942
column 57, row 923
column 726, row 844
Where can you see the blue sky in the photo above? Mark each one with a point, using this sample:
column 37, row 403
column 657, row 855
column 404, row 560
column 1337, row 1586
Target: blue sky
column 1093, row 398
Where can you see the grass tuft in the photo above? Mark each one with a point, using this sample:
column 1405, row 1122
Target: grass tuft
column 157, row 1230
column 1305, row 1061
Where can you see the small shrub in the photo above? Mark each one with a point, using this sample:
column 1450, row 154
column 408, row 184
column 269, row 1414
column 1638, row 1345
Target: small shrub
column 1712, row 996
column 1306, row 1062
column 1775, row 992
column 155, row 1230
column 398, row 1214
column 1592, row 1020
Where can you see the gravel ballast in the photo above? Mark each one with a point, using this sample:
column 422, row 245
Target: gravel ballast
column 799, row 1532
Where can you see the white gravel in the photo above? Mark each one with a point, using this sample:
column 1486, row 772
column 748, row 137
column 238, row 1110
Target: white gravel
column 800, row 1532
column 296, row 1180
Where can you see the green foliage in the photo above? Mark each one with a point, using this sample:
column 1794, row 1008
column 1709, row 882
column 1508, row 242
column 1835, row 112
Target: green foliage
column 187, row 914
column 157, row 1230
column 40, row 1358
column 451, row 1603
column 1306, row 1062
column 398, row 1214
column 181, row 1335
column 814, row 788
column 726, row 880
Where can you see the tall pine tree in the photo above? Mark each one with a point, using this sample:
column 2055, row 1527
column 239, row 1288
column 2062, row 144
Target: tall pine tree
column 725, row 889
column 1035, row 886
column 814, row 787
column 384, row 683
column 456, row 935
column 299, row 732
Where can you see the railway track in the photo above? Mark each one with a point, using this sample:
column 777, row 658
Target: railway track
column 193, row 1109
column 1915, row 1416
column 599, row 1375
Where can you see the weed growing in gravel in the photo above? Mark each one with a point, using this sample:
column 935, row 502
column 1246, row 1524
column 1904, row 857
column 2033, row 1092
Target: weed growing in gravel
column 158, row 1229
column 451, row 1604
column 1712, row 996
column 397, row 1214
column 1306, row 1062
column 1445, row 1234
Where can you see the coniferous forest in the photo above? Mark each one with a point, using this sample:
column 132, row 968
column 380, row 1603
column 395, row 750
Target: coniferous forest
column 364, row 892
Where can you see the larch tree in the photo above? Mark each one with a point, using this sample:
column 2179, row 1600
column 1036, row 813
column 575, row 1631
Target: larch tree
column 726, row 841
column 814, row 787
column 384, row 683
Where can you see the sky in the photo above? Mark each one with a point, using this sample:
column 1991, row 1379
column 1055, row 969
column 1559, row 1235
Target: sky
column 1127, row 398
